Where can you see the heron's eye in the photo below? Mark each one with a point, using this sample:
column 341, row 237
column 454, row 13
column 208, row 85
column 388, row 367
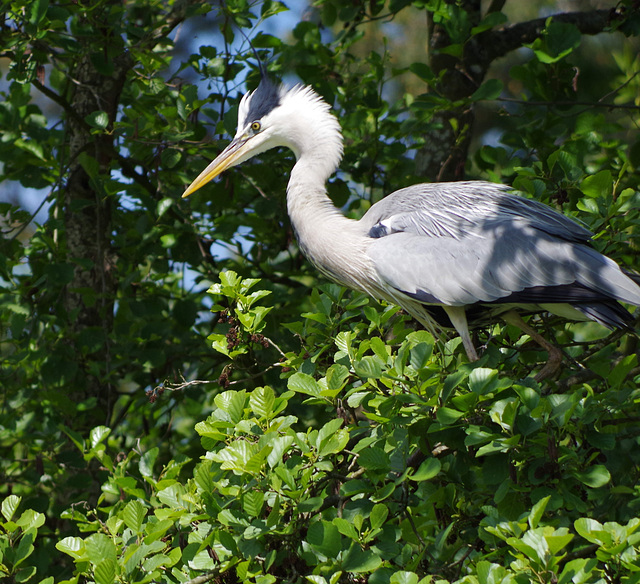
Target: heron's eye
column 255, row 126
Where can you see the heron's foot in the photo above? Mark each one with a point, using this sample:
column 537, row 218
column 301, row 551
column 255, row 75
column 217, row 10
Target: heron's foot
column 553, row 364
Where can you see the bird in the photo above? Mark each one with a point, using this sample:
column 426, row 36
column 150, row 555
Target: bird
column 451, row 254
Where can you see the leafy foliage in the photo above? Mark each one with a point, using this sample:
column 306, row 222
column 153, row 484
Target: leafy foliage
column 336, row 442
column 453, row 471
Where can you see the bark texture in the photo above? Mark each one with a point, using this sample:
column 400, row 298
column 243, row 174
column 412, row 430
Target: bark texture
column 87, row 210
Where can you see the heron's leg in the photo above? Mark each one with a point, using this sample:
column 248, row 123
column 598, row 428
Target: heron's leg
column 555, row 355
column 458, row 318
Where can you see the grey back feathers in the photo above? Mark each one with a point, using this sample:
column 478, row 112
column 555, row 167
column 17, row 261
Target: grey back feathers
column 460, row 208
column 474, row 243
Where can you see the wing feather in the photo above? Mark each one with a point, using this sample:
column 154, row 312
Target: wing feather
column 457, row 244
column 457, row 209
column 467, row 270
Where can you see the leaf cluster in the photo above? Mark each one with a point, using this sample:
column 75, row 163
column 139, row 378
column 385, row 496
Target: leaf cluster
column 429, row 472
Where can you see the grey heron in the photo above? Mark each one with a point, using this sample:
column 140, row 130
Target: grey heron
column 444, row 252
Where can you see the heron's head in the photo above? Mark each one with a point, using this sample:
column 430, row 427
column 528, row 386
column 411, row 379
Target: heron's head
column 272, row 116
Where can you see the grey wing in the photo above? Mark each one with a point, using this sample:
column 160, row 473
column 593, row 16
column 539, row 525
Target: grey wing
column 456, row 209
column 485, row 269
column 462, row 271
column 460, row 243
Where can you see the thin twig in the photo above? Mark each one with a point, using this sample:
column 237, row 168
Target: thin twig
column 180, row 386
column 204, row 578
column 275, row 347
column 259, row 374
column 591, row 104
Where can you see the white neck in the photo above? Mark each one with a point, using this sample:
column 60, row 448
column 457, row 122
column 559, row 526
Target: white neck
column 326, row 236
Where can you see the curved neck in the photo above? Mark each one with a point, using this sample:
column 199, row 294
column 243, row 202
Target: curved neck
column 331, row 241
column 318, row 149
column 335, row 244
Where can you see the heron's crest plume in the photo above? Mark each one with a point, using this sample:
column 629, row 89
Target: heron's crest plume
column 298, row 118
column 258, row 103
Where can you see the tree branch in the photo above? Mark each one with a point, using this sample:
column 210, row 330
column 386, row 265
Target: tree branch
column 204, row 578
column 503, row 41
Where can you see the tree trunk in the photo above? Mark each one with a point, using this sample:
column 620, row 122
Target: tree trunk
column 444, row 155
column 89, row 297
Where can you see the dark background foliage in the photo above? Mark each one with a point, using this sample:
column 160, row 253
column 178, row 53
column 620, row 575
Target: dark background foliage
column 316, row 436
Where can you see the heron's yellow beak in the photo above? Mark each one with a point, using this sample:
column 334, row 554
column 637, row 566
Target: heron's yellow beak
column 233, row 154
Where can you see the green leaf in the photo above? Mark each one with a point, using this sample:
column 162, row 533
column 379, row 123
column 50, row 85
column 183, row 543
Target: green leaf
column 332, row 438
column 374, row 458
column 598, row 185
column 536, row 552
column 579, row 571
column 420, row 355
column 491, row 20
column 100, row 547
column 452, row 381
column 24, row 548
column 98, row 119
column 261, row 402
column 489, row 573
column 503, row 412
column 593, row 531
column 404, row 578
column 168, row 240
column 163, row 206
column 325, row 538
column 621, row 370
column 252, row 503
column 368, row 367
column 30, row 146
column 72, row 546
column 316, row 579
column 172, row 495
column 383, row 493
column 25, row 574
column 105, row 572
column 427, row 470
column 447, row 416
column 337, row 376
column 147, row 461
column 303, row 383
column 9, row 506
column 559, row 40
column 595, row 477
column 489, row 90
column 483, row 380
column 232, row 403
column 202, row 561
column 537, row 512
column 346, row 528
column 133, row 514
column 358, row 560
column 278, row 446
column 98, row 435
column 30, row 519
column 558, row 540
column 170, row 157
column 37, row 10
column 378, row 515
